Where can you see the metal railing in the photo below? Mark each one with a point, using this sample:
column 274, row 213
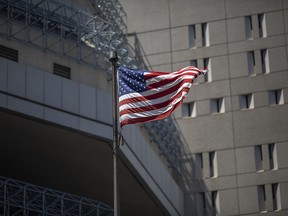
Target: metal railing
column 20, row 198
column 55, row 27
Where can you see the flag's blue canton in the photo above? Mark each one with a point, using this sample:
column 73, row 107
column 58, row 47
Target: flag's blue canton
column 131, row 81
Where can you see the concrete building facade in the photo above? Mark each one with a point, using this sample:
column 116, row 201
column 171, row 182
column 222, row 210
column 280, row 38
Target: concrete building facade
column 56, row 117
column 235, row 119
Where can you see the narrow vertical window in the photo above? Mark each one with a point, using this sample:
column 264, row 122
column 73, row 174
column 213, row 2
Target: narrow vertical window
column 248, row 27
column 262, row 25
column 251, row 62
column 199, row 165
column 272, row 156
column 192, row 36
column 261, row 197
column 215, row 202
column 212, row 164
column 207, row 65
column 213, row 198
column 246, row 101
column 265, row 61
column 259, row 158
column 276, row 196
column 205, row 34
column 276, row 97
column 189, row 109
column 217, row 105
column 201, row 205
column 193, row 62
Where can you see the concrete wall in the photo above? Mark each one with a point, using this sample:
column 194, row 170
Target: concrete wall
column 233, row 134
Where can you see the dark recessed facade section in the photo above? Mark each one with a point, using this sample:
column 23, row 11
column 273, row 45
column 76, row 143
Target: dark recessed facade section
column 8, row 53
column 62, row 71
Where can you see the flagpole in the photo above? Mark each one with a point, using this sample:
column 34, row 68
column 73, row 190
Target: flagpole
column 113, row 59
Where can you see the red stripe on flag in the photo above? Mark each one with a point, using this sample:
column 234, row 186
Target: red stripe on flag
column 150, row 118
column 154, row 96
column 169, row 80
column 154, row 106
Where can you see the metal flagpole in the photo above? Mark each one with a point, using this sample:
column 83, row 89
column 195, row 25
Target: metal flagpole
column 113, row 59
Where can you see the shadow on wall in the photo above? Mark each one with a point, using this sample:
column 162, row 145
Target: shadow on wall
column 192, row 172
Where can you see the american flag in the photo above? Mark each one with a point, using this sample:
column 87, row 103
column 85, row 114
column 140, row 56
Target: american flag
column 149, row 95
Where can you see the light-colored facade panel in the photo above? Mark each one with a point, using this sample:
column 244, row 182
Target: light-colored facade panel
column 3, row 100
column 25, row 107
column 228, row 200
column 35, row 85
column 53, row 90
column 236, row 34
column 283, row 194
column 285, row 18
column 3, row 74
column 236, row 8
column 261, row 83
column 95, row 128
column 285, row 4
column 245, row 158
column 156, row 41
column 244, row 46
column 248, row 200
column 219, row 68
column 155, row 13
column 189, row 54
column 225, row 168
column 217, row 32
column 282, row 149
column 61, row 118
column 208, row 91
column 238, row 65
column 261, row 178
column 160, row 60
column 70, row 96
column 274, row 23
column 258, row 126
column 166, row 67
column 16, row 78
column 194, row 12
column 87, row 101
column 261, row 99
column 220, row 183
column 103, row 106
column 278, row 59
column 180, row 38
column 219, row 124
